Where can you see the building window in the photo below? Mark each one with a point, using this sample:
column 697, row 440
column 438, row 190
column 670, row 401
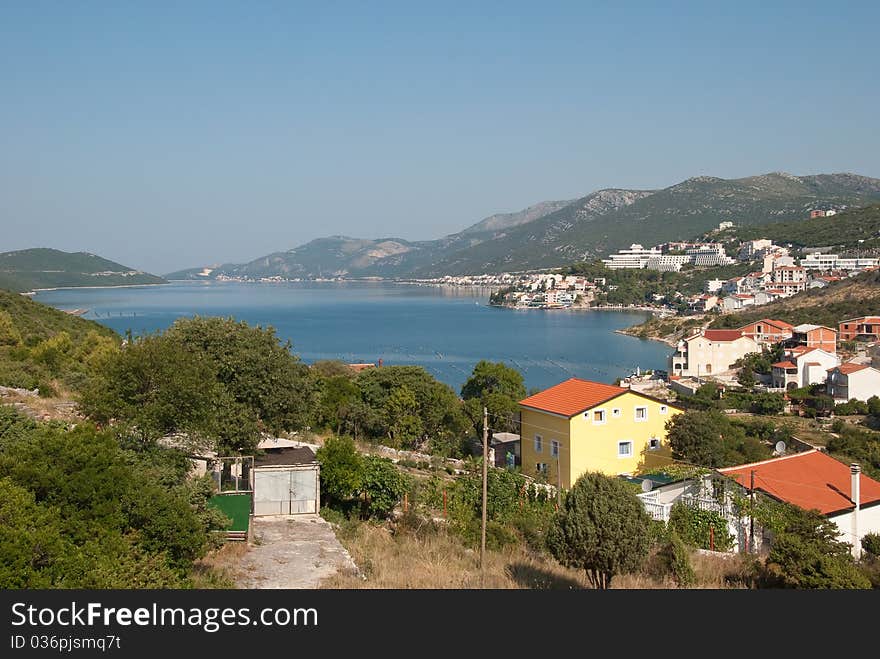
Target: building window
column 663, row 409
column 641, row 414
column 599, row 416
column 615, row 412
column 540, row 467
column 539, row 444
column 554, row 448
column 653, row 444
column 624, row 449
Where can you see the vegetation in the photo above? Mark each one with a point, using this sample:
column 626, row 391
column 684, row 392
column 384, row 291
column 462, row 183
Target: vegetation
column 29, row 269
column 81, row 511
column 849, row 298
column 215, row 380
column 710, row 439
column 498, row 388
column 602, row 528
column 704, row 529
column 805, row 553
column 856, row 228
column 46, row 349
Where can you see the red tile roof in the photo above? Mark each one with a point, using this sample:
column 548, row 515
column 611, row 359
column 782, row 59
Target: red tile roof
column 848, row 368
column 784, row 365
column 723, row 335
column 572, row 396
column 810, row 480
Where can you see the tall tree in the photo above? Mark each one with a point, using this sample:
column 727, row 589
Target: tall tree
column 602, row 528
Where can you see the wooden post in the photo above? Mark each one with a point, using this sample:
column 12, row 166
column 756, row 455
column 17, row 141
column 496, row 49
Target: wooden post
column 711, row 537
column 752, row 513
column 485, row 494
column 405, row 501
column 444, row 503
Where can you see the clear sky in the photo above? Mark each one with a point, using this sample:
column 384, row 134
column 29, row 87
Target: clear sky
column 169, row 135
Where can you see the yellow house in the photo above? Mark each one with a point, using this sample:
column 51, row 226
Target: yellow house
column 579, row 426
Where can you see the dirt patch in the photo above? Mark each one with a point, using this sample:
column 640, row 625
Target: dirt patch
column 292, row 552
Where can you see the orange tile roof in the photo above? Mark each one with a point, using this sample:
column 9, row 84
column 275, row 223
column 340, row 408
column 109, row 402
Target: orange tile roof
column 572, row 396
column 784, row 365
column 810, row 480
column 723, row 335
column 849, row 367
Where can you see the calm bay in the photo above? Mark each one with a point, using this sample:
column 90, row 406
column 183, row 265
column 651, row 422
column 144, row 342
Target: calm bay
column 444, row 329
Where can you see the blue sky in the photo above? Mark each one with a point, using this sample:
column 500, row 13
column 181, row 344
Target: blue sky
column 168, row 135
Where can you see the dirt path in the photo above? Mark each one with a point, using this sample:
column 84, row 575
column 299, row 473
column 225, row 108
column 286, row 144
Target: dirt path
column 292, row 552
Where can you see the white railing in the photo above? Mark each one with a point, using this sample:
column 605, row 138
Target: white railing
column 658, row 511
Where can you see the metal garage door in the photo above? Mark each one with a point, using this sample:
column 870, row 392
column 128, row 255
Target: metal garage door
column 285, row 490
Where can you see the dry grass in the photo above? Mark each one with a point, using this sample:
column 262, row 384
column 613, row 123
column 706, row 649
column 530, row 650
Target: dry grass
column 435, row 559
column 218, row 569
column 60, row 408
column 432, row 558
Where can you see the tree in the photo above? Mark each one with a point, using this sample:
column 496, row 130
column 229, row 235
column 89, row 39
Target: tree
column 402, row 418
column 341, row 469
column 602, row 528
column 498, row 388
column 698, row 437
column 155, row 387
column 382, row 485
column 9, row 334
column 746, row 377
column 255, row 367
column 807, row 554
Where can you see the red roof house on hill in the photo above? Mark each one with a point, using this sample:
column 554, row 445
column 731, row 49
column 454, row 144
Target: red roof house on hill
column 813, row 480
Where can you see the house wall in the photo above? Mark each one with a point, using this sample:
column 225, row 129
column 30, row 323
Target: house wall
column 589, row 446
column 822, row 338
column 869, row 522
column 864, row 384
column 705, row 357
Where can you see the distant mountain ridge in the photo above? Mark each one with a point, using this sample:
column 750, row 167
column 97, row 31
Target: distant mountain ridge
column 29, row 269
column 555, row 233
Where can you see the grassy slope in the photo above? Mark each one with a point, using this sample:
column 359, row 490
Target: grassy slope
column 844, row 229
column 28, row 269
column 29, row 364
column 858, row 296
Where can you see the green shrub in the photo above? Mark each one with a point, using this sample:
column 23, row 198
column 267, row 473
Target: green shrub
column 871, row 544
column 694, row 527
column 675, row 558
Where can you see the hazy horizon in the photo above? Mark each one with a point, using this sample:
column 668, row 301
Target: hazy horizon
column 166, row 137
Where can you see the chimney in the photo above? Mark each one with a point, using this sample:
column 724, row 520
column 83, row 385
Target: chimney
column 855, row 471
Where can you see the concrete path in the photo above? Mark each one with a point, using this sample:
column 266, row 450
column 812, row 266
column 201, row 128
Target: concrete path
column 292, row 552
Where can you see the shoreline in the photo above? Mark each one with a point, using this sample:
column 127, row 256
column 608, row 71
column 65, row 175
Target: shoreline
column 73, row 288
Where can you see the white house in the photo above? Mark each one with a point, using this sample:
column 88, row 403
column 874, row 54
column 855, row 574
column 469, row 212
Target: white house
column 851, row 380
column 801, row 368
column 813, row 480
column 710, row 352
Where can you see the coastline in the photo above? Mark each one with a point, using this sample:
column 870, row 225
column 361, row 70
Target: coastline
column 72, row 288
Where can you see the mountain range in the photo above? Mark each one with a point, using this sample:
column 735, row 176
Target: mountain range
column 555, row 233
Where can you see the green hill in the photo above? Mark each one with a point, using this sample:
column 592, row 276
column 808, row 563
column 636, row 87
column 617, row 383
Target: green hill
column 42, row 348
column 29, row 269
column 849, row 298
column 845, row 230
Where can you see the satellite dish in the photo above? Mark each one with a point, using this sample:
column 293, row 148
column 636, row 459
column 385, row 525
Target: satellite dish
column 647, row 485
column 780, row 447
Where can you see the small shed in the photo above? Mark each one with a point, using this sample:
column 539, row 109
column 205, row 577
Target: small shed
column 287, row 482
column 505, row 449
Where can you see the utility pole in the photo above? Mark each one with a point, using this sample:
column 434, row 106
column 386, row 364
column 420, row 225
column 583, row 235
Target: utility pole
column 485, row 494
column 752, row 514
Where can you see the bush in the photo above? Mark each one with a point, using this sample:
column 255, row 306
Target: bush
column 694, row 527
column 601, row 528
column 871, row 544
column 676, row 560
